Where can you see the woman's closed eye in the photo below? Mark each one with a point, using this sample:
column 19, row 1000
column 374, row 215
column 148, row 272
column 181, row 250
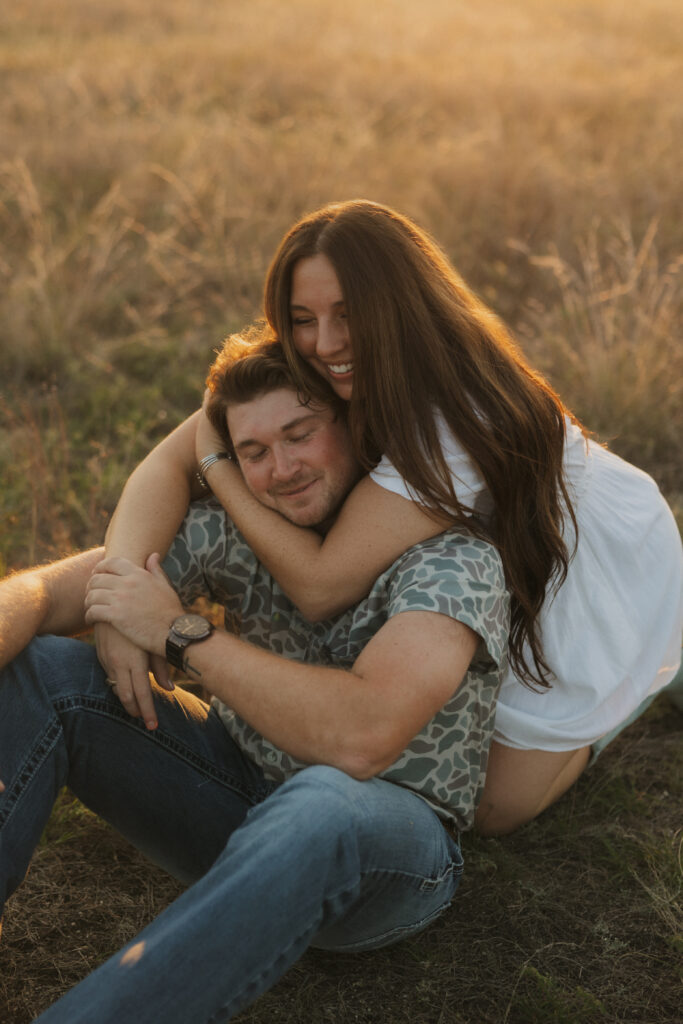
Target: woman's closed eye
column 304, row 321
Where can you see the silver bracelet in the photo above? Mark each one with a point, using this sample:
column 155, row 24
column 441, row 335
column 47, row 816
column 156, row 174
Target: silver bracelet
column 207, row 462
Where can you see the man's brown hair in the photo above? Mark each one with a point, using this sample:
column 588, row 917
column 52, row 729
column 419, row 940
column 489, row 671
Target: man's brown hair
column 251, row 364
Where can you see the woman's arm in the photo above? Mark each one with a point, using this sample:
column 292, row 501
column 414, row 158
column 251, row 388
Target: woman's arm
column 155, row 498
column 321, row 575
column 147, row 517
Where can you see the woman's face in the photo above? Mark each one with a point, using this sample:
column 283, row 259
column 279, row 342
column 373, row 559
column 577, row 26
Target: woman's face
column 319, row 325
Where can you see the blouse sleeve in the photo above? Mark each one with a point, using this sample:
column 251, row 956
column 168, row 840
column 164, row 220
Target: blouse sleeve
column 468, row 482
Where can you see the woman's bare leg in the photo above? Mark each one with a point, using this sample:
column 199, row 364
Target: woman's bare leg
column 522, row 783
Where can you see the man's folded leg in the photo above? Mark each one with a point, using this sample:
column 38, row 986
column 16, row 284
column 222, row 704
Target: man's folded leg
column 177, row 792
column 324, row 860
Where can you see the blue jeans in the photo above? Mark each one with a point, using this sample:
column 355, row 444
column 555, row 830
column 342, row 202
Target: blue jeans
column 322, row 859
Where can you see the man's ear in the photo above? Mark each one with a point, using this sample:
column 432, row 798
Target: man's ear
column 215, row 408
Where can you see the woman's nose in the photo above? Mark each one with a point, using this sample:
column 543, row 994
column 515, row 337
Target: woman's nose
column 332, row 338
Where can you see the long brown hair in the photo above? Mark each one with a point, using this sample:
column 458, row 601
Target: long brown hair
column 423, row 341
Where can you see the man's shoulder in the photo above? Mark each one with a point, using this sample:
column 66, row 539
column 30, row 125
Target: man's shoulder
column 207, row 543
column 207, row 524
column 453, row 550
column 454, row 574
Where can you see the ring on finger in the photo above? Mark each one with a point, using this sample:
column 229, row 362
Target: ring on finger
column 110, row 682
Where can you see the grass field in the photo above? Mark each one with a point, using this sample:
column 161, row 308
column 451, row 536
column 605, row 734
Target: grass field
column 151, row 156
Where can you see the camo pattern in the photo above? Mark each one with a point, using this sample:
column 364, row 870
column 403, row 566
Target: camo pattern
column 453, row 574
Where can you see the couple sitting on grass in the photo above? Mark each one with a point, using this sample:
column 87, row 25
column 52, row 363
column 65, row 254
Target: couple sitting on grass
column 443, row 597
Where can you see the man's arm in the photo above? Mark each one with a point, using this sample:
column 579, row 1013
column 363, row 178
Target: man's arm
column 358, row 720
column 45, row 599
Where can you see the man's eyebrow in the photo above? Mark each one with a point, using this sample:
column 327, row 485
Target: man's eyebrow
column 298, row 420
column 290, row 425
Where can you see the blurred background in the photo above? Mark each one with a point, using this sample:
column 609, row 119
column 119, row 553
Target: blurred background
column 152, row 155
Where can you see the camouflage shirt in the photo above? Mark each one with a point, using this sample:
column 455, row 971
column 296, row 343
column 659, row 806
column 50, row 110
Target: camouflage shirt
column 453, row 574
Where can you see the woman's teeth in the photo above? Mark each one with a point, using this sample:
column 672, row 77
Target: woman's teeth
column 340, row 368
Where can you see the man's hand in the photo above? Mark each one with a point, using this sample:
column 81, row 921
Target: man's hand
column 141, row 605
column 127, row 667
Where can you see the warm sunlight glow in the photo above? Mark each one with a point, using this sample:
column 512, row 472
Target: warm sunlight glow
column 133, row 955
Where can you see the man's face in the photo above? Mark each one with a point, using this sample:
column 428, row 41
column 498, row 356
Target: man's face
column 295, row 459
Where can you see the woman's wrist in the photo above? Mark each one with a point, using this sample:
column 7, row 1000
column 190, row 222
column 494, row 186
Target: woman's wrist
column 207, row 461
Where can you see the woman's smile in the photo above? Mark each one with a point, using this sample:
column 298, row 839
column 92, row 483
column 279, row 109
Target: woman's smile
column 319, row 323
column 341, row 368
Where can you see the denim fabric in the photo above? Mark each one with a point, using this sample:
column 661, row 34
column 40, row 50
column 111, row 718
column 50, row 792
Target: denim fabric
column 322, row 859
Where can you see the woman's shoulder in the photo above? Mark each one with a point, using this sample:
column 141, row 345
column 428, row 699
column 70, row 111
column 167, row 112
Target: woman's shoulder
column 467, row 479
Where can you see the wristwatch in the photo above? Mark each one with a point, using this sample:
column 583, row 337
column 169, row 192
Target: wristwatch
column 185, row 630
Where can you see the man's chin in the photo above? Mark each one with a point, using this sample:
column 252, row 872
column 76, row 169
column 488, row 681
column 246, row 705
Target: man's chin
column 310, row 518
column 310, row 511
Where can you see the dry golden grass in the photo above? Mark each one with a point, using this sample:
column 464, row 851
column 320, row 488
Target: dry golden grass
column 151, row 159
column 151, row 156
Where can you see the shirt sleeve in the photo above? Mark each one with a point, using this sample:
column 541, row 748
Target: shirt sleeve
column 462, row 577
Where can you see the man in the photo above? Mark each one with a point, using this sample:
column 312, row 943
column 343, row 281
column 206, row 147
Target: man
column 315, row 803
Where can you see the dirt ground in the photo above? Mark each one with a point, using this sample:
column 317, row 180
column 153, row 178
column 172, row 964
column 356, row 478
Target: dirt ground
column 575, row 918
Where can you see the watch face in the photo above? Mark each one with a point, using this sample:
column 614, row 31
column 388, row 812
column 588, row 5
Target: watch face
column 191, row 627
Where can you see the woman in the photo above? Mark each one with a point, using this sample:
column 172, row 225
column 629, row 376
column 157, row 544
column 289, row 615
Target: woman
column 469, row 435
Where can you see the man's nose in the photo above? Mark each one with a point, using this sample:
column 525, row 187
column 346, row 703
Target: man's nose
column 285, row 463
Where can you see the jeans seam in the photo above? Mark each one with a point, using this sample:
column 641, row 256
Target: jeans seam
column 28, row 769
column 428, row 886
column 102, row 706
column 425, row 881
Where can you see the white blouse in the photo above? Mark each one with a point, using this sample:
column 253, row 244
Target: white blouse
column 612, row 633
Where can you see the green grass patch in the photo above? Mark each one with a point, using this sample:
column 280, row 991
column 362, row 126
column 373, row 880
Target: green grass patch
column 540, row 999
